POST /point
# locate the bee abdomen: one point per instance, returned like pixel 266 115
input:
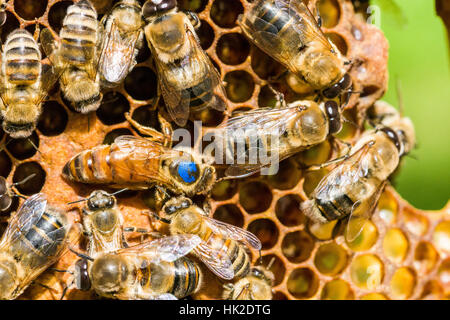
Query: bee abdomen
pixel 186 278
pixel 239 259
pixel 22 58
pixel 337 208
pixel 271 18
pixel 201 94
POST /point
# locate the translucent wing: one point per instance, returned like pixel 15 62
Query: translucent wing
pixel 165 296
pixel 49 44
pixel 219 263
pixel 232 232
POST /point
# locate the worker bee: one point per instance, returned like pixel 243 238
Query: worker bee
pixel 24 84
pixel 35 238
pixel 353 187
pixel 187 78
pixel 220 249
pixel 139 163
pixel 76 55
pixel 123 37
pixel 288 32
pixel 257 285
pixel 278 132
pixel 156 269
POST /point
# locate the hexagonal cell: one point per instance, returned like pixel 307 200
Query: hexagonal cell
pixel 30 9
pixel 322 231
pixel 57 13
pixel 367 271
pixel 330 259
pixel 374 296
pixel 337 290
pixel 266 231
pixel 432 290
pixel 224 13
pixel 205 34
pixel 53 120
pixel 312 179
pixel 366 239
pixel 210 117
pixel 425 257
pixel 232 48
pixel 224 190
pixel 34 184
pixel 229 213
pixel 144 53
pixel 402 283
pixel 369 90
pixel 339 42
pixel 192 5
pixel 395 245
pixel 10 24
pixel 23 148
pixel 441 236
pixel 5 164
pixel 141 83
pixel 278 295
pixel 444 274
pixel 288 210
pixel 147 116
pixel 297 246
pixel 240 85
pixel 263 65
pixel 112 135
pixel 112 109
pixel 387 208
pixel 255 197
pixel 330 12
pixel 287 176
pixel 302 283
pixel 349 126
pixel 315 155
pixel 415 222
pixel 277 267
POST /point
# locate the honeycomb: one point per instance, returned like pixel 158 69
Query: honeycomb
pixel 403 253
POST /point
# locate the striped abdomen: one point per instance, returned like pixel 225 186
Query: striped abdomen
pixel 200 95
pixel 339 207
pixel 22 58
pixel 271 18
pixel 180 278
pixel 79 33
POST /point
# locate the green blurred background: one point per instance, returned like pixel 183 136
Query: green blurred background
pixel 419 58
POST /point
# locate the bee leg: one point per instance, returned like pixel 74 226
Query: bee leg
pixel 143 232
pixel 154 134
pixel 330 162
pixel 37 31
pixel 193 17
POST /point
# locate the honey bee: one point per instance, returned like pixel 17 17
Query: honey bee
pixel 24 84
pixel 187 78
pixel 156 269
pixel 279 131
pixel 353 187
pixel 139 163
pixel 35 238
pixel 257 285
pixel 76 55
pixel 220 248
pixel 288 32
pixel 123 37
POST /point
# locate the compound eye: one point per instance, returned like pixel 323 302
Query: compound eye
pixel 332 92
pixel 185 204
pixel 170 210
pixel 334 117
pixel 152 7
pixel 83 282
pixel 93 205
pixel 186 171
pixel 345 82
pixel 393 137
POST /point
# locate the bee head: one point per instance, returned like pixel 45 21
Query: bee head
pixel 174 206
pixel 8 275
pixel 155 7
pixel 263 274
pixel 109 274
pixel 100 199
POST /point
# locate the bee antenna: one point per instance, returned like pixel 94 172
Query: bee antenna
pixel 81 255
pixel 270 264
pixel 76 201
pixel 399 95
pixel 34 146
pixel 163 190
pixel 31 176
pixel 119 191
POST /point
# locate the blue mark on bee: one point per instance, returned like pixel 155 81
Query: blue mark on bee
pixel 188 171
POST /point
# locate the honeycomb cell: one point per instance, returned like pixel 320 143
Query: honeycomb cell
pixel 229 213
pixel 266 231
pixel 11 23
pixel 34 184
pixel 339 42
pixel 315 155
pixel 240 85
pixel 441 236
pixel 330 12
pixel 53 120
pixel 113 107
pixel 112 135
pixel 263 65
pixel 288 210
pixel 374 296
pixel 414 222
pixel 232 48
pixel 367 271
pixel 368 91
pixel 349 126
pixel 366 239
pixel 432 290
pixel 322 231
pixel 210 117
pixel 330 259
pixel 395 245
pixel 141 83
pixel 425 257
pixel 444 275
pixel 224 190
pixel 23 148
pixel 312 179
pixel 255 197
pixel 337 290
pixel 267 98
pixel 239 110
pixel 297 246
pixel 192 5
pixel 206 34
pixel 278 295
pixel 402 283
pixel 302 283
pixel 287 176
pixel 224 13
pixel 5 164
pixel 147 116
pixel 30 9
pixel 278 269
pixel 388 208
pixel 144 53
pixel 57 13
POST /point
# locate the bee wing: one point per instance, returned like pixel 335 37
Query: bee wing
pixel 49 44
pixel 165 296
pixel 219 263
